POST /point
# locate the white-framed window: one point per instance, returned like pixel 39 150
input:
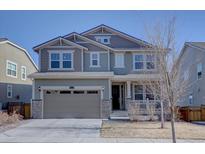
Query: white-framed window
pixel 103 39
pixel 199 70
pixel 144 62
pixel 138 61
pixel 9 91
pixel 150 61
pixel 191 99
pixel 61 59
pixel 94 59
pixel 54 60
pixel 119 60
pixel 11 69
pixel 67 60
pixel 143 92
pixel 23 72
pixel 138 92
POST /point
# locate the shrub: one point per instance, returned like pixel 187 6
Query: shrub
pixel 9 119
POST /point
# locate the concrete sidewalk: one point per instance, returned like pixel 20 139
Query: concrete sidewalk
pixel 68 131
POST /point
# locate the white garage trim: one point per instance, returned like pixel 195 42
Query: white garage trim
pixel 74 88
pixel 43 88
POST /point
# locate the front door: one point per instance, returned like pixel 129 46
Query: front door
pixel 115 97
pixel 118 97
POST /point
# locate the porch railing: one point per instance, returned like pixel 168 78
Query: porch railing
pixel 146 106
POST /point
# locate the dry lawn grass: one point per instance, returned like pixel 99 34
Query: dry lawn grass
pixel 128 129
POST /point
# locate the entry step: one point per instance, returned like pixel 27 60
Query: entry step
pixel 119 115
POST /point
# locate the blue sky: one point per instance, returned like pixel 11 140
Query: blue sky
pixel 30 28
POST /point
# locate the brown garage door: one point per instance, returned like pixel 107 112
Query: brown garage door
pixel 71 104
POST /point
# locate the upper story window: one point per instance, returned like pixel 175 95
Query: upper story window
pixel 67 60
pixel 103 39
pixel 55 60
pixel 61 60
pixel 11 69
pixel 138 62
pixel 119 60
pixel 94 59
pixel 150 61
pixel 23 73
pixel 199 70
pixel 144 61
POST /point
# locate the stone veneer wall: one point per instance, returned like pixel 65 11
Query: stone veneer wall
pixel 106 109
pixel 37 109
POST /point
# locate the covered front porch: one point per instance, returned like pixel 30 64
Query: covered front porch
pixel 139 97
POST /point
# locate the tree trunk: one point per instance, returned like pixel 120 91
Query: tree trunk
pixel 162 114
pixel 171 104
pixel 162 107
pixel 172 124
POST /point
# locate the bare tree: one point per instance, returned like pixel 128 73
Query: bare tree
pixel 162 37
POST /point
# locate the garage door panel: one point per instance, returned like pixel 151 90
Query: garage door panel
pixel 71 105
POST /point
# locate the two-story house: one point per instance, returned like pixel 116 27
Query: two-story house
pixel 191 64
pixel 15 65
pixel 91 74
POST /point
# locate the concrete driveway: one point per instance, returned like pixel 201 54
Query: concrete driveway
pixel 68 130
pixel 54 130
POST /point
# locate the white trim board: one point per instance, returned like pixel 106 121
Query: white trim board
pixel 75 88
pixel 88 40
pixel 112 30
pixel 98 59
pixel 72 75
pixel 36 48
pixel 8 61
pixel 24 50
pixel 61 59
pixel 122 63
pixel 25 72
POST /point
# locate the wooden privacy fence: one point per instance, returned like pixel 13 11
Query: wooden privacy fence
pixel 192 113
pixel 23 109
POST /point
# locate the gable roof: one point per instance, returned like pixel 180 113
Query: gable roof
pixel 200 45
pixel 197 45
pixel 112 30
pixel 36 48
pixel 87 39
pixel 5 40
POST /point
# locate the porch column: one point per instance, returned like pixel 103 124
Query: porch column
pixel 128 95
pixel 129 89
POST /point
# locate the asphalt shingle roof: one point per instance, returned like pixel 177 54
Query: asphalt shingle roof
pixel 198 44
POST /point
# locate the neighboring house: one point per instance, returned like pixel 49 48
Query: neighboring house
pixel 89 75
pixel 191 65
pixel 15 65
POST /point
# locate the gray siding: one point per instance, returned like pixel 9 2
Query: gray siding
pixel 24 92
pixel 117 41
pixel 188 62
pixel 103 63
pixel 20 87
pixel 72 82
pixel 92 47
pixel 128 69
pixel 11 53
pixel 44 60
